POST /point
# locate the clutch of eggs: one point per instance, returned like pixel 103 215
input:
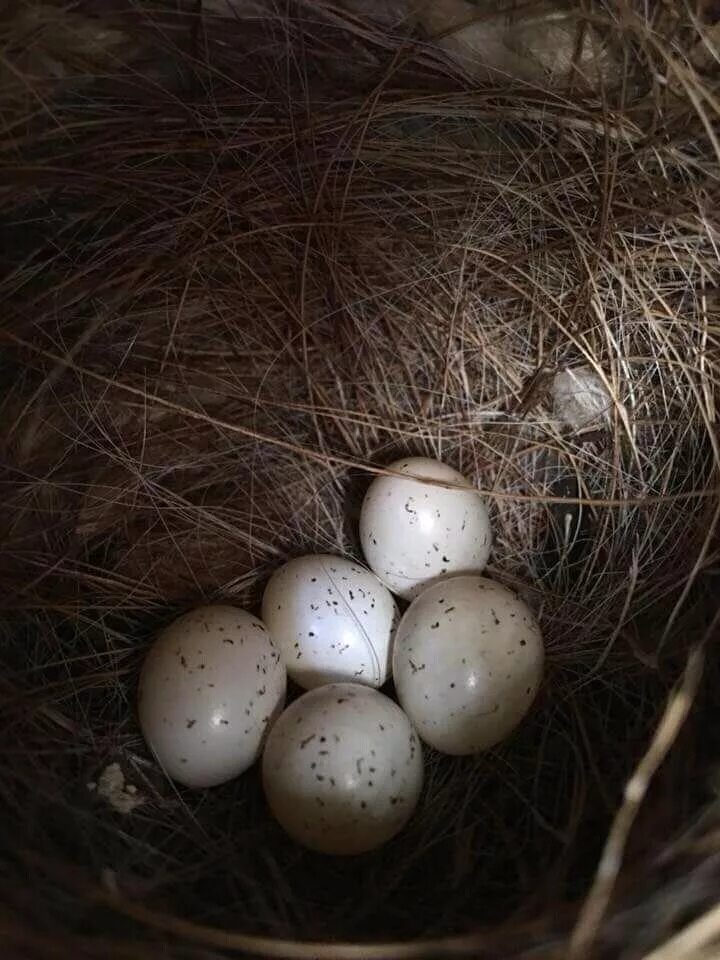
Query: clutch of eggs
pixel 332 620
pixel 414 533
pixel 467 663
pixel 210 687
pixel 342 769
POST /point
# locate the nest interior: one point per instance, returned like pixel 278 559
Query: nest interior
pixel 254 253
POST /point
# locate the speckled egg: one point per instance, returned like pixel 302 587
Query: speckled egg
pixel 332 619
pixel 468 662
pixel 415 533
pixel 342 769
pixel 210 687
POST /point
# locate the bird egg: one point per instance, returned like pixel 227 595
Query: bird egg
pixel 211 686
pixel 342 769
pixel 332 619
pixel 468 662
pixel 414 533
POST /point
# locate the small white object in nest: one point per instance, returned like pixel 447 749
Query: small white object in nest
pixel 332 620
pixel 468 662
pixel 343 769
pixel 111 786
pixel 580 398
pixel 541 43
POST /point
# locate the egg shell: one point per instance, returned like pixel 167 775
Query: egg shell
pixel 332 620
pixel 414 533
pixel 210 687
pixel 343 769
pixel 468 662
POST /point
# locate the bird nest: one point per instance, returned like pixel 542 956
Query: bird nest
pixel 255 252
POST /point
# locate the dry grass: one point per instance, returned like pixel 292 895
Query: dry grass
pixel 249 263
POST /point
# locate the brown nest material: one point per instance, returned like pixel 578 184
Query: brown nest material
pixel 251 254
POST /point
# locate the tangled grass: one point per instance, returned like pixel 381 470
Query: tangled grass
pixel 251 258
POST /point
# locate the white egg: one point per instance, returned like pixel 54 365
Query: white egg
pixel 414 533
pixel 210 687
pixel 332 619
pixel 342 769
pixel 468 661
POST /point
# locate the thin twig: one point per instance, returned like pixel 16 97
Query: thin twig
pixel 611 862
pixel 692 940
